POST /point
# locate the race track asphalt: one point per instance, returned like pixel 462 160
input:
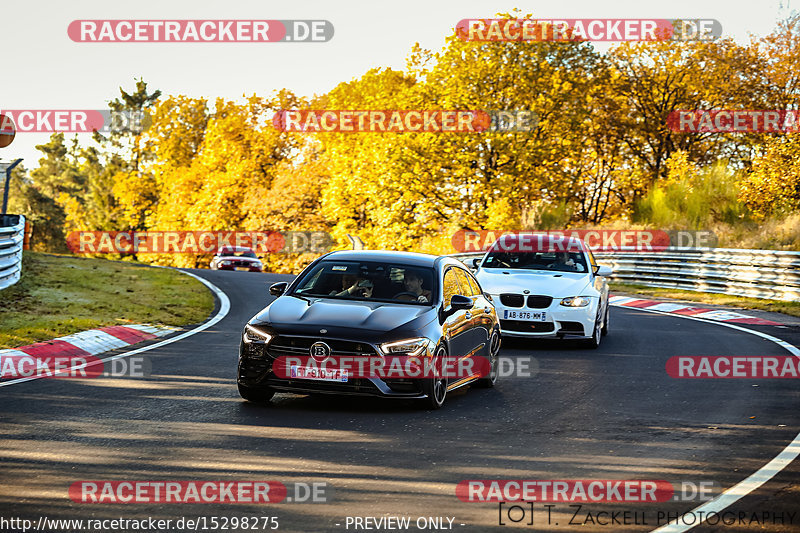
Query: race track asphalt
pixel 611 413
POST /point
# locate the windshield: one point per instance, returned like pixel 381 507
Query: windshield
pixel 371 281
pixel 231 252
pixel 559 261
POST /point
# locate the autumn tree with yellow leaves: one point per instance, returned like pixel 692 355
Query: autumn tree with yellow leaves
pixel 600 147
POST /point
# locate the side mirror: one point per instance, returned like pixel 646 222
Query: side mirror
pixel 603 270
pixel 276 289
pixel 476 262
pixel 457 303
pixel 460 303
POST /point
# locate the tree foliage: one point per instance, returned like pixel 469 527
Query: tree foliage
pixel 601 149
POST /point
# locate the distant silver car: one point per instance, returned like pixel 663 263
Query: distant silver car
pixel 236 258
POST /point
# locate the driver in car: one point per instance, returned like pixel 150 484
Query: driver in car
pixel 412 281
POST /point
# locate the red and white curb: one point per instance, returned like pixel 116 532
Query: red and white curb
pixel 717 315
pixel 222 311
pixel 93 341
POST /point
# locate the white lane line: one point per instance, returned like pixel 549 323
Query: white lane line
pixel 224 309
pixel 763 474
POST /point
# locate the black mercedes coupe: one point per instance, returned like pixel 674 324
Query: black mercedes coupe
pixel 374 323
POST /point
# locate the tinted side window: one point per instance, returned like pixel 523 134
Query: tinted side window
pixel 463 279
pixel 476 288
pixel 451 285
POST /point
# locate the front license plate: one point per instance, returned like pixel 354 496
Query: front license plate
pixel 243 268
pixel 319 374
pixel 532 316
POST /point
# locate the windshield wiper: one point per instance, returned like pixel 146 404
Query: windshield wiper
pixel 300 297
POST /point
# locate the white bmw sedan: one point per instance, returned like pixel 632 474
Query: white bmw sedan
pixel 546 286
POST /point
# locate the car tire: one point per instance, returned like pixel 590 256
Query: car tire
pixel 604 331
pixel 259 395
pixel 593 342
pixel 494 355
pixel 435 389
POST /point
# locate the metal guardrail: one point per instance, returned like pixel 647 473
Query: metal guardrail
pixel 12 235
pixel 766 274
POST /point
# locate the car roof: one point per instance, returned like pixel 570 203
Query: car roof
pixel 234 249
pixel 408 258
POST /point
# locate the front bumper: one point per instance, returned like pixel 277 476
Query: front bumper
pixel 252 265
pixel 250 268
pixel 560 321
pixel 256 361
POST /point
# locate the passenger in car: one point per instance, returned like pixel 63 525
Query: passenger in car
pixel 354 285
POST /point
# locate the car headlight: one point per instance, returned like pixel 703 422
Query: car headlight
pixel 405 347
pixel 575 301
pixel 252 335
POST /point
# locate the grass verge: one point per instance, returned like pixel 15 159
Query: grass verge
pixel 776 306
pixel 59 295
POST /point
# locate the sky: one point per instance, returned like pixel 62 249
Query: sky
pixel 44 69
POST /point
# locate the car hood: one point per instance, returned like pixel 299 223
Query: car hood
pixel 349 319
pixel 555 284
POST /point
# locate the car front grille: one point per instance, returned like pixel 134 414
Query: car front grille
pixel 291 345
pixel 526 327
pixel 512 300
pixel 539 301
pixel 256 370
pixel 533 301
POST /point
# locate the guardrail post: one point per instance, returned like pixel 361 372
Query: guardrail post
pixel 8 180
